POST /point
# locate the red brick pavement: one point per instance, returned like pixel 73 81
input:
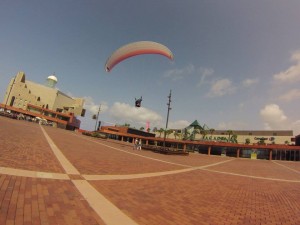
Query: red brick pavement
pixel 92 158
pixel 195 197
pixel 262 168
pixel 202 197
pixel 43 201
pixel 23 146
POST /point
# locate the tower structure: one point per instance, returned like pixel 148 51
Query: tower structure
pixel 51 81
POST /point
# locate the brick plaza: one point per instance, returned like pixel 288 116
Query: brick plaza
pixel 55 176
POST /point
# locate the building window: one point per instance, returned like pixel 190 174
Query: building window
pixel 12 101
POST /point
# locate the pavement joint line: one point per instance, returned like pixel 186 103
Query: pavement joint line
pixel 296 171
pixel 27 173
pixel 147 157
pixel 61 176
pixel 33 174
pixel 136 176
pixel 108 212
pixel 147 175
pixel 103 207
pixel 250 176
pixel 66 164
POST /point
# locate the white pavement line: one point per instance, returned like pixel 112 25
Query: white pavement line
pixel 109 213
pixel 146 175
pixel 147 157
pixel 68 167
pixel 135 176
pixel 296 171
pixel 254 177
pixel 33 174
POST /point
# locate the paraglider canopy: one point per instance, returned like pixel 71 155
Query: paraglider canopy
pixel 137 48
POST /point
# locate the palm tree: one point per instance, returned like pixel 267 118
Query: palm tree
pixel 195 131
pixel 176 134
pixel 160 131
pixel 247 141
pixel 142 128
pixel 185 134
pixel 211 131
pixel 233 138
pixel 229 132
pixel 168 132
pixel 204 133
pixel 148 130
pixel 154 129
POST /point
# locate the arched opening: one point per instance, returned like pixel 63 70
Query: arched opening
pixel 12 100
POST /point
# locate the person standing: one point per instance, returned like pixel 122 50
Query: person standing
pixel 140 144
pixel 135 143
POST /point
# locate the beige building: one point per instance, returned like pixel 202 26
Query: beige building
pixel 193 132
pixel 23 96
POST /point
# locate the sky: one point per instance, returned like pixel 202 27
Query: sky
pixel 236 62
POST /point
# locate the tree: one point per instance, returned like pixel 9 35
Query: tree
pixel 203 133
pixel 148 130
pixel 160 131
pixel 185 134
pixel 247 141
pixel 168 132
pixel 176 134
pixel 229 132
pixel 142 128
pixel 211 131
pixel 195 131
pixel 233 138
pixel 154 129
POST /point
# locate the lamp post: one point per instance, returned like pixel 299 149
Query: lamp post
pixel 169 108
pixel 97 117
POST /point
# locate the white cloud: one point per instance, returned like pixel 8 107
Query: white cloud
pixel 291 95
pixel 204 72
pixel 273 117
pixel 296 127
pixel 180 124
pixel 178 74
pixel 234 125
pixel 220 88
pixel 90 106
pixel 249 82
pixel 292 74
pixel 134 116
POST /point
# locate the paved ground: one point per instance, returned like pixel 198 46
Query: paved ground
pixel 54 176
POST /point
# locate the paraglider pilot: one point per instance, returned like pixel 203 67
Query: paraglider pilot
pixel 138 102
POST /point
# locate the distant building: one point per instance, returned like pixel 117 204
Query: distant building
pixel 44 101
pixel 126 130
pixel 235 136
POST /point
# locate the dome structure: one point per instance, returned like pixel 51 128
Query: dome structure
pixel 51 81
pixel 52 77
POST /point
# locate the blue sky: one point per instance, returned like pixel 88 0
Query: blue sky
pixel 236 63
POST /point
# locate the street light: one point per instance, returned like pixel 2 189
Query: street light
pixel 169 108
